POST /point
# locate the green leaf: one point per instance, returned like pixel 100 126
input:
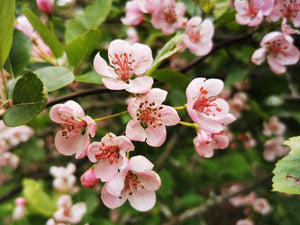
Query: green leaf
pixel 171 77
pixel 55 77
pixel 168 50
pixel 220 8
pixel 48 37
pixel 93 16
pixel 238 74
pixel 29 99
pixel 287 171
pixel 7 17
pixel 37 198
pixel 82 46
pixel 20 54
pixel 206 5
pixel 91 77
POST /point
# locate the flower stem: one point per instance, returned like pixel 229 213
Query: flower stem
pixel 111 116
pixel 180 107
pixel 194 125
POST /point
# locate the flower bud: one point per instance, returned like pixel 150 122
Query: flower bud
pixel 45 6
pixel 88 179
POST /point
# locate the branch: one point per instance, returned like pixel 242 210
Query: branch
pixel 215 200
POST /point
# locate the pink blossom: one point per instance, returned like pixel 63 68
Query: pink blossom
pixel 20 209
pixel 132 35
pixel 88 178
pixel 274 149
pixel 274 126
pixel 247 140
pixel 9 159
pixel 198 36
pixel 280 52
pixel 45 6
pixel 287 9
pixel 150 118
pixel 206 142
pixel 136 182
pixel 204 107
pixel 150 6
pixel 69 212
pixel 110 155
pixel 261 206
pixel 134 15
pixel 244 222
pixel 252 12
pixel 170 17
pixel 126 60
pixel 238 103
pixel 286 28
pixel 74 137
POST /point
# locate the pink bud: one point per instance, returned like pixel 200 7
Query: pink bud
pixel 45 6
pixel 88 179
pixel 20 201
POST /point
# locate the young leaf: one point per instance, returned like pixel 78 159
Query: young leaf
pixel 20 54
pixel 287 171
pixel 37 198
pixel 91 77
pixel 7 17
pixel 48 37
pixel 29 99
pixel 220 7
pixel 168 50
pixel 93 16
pixel 82 46
pixel 55 77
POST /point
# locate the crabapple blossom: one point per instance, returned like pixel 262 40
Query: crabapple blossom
pixel 274 126
pixel 74 137
pixel 20 209
pixel 110 155
pixel 204 108
pixel 69 212
pixel 64 179
pixel 238 103
pixel 132 35
pixel 88 178
pixel 170 17
pixel 126 60
pixel 280 52
pixel 247 140
pixel 252 12
pixel 261 206
pixel 150 118
pixel 198 36
pixel 274 148
pixel 244 222
pixel 45 6
pixel 9 159
pixel 134 15
pixel 136 182
pixel 150 6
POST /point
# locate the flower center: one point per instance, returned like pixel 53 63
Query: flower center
pixel 291 9
pixel 123 65
pixel 205 105
pixel 169 14
pixel 110 153
pixel 71 124
pixel 132 182
pixel 194 34
pixel 149 115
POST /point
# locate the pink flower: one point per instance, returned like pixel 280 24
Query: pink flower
pixel 252 12
pixel 69 212
pixel 287 9
pixel 77 129
pixel 110 155
pixel 198 36
pixel 238 103
pixel 149 118
pixel 132 35
pixel 150 6
pixel 247 140
pixel 274 126
pixel 204 107
pixel 134 15
pixel 244 222
pixel 45 6
pixel 126 60
pixel 88 178
pixel 206 142
pixel 274 149
pixel 136 182
pixel 170 17
pixel 280 50
pixel 261 206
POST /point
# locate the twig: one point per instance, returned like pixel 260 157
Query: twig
pixel 215 200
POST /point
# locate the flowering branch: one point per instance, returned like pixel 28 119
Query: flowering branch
pixel 110 116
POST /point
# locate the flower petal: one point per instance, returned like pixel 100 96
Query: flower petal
pixel 142 200
pixel 140 163
pixel 156 136
pixel 110 200
pixel 102 68
pixel 134 131
pixel 139 85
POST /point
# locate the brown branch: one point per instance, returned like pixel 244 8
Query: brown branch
pixel 215 200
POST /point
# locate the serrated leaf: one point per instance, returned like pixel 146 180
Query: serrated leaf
pixel 171 77
pixel 220 7
pixel 82 46
pixel 20 54
pixel 94 15
pixel 29 99
pixel 168 50
pixel 37 198
pixel 91 77
pixel 55 77
pixel 48 37
pixel 287 171
pixel 7 17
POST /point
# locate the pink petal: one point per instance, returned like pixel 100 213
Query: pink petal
pixel 119 47
pixel 140 163
pixel 92 150
pixel 169 116
pixel 139 85
pixel 143 58
pixel 102 68
pixel 213 87
pixel 116 185
pixel 91 126
pixel 259 56
pixel 133 106
pixel 124 143
pixel 206 30
pixel 193 89
pixel 209 125
pixel 110 200
pixel 156 95
pixel 257 20
pixel 275 66
pixel 114 84
pixel 156 136
pixel 134 131
pixel 142 200
pixel 150 180
pixel 77 211
pixel 106 171
pixel 203 149
pixel 54 113
pixel 290 56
